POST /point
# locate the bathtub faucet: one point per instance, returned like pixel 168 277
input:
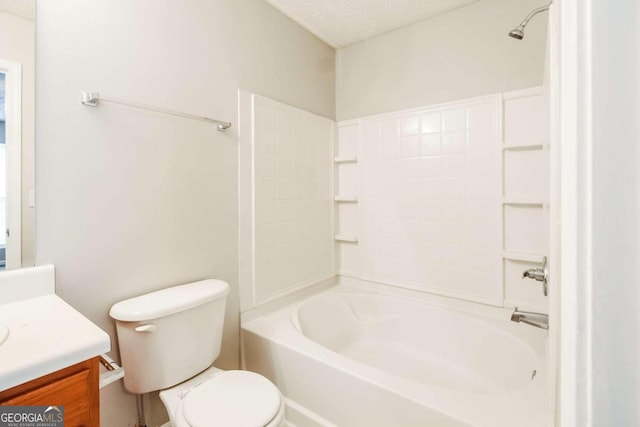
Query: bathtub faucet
pixel 539 320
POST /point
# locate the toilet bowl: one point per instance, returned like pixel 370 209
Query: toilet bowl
pixel 156 331
pixel 225 398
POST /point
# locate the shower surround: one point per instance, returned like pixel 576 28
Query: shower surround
pixel 405 237
pixel 451 199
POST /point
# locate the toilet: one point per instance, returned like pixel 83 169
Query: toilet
pixel 168 341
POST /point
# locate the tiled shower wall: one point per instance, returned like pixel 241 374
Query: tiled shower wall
pixel 450 199
pixel 441 202
pixel 286 199
pixel 430 200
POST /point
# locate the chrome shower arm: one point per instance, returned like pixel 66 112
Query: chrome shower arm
pixel 533 13
pixel 518 32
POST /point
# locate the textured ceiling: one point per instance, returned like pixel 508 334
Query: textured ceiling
pixel 342 22
pixel 22 8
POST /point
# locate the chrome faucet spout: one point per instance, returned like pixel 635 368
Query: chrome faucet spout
pixel 539 320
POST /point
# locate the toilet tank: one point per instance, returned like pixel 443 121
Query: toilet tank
pixel 168 336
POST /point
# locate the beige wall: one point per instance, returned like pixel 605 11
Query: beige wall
pixel 129 201
pixel 457 55
pixel 17 45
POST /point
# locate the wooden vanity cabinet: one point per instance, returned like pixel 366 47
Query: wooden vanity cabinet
pixel 76 388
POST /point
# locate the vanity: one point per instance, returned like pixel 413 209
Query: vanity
pixel 49 352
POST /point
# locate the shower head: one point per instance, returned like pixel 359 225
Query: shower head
pixel 518 32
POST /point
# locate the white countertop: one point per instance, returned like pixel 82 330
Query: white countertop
pixel 45 335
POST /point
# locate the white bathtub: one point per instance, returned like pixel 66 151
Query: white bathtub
pixel 350 357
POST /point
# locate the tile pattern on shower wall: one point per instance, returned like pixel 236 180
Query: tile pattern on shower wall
pixel 432 199
pixel 293 198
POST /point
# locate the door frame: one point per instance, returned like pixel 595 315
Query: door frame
pixel 572 106
pixel 13 92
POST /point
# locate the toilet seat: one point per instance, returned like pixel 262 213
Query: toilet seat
pixel 232 398
pixel 225 398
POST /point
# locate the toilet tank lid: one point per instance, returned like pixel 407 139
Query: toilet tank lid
pixel 169 301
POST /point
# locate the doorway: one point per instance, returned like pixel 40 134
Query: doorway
pixel 10 164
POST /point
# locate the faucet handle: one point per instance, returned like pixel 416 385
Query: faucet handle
pixel 541 274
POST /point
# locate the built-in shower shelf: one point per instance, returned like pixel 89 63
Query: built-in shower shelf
pixel 349 238
pixel 531 201
pixel 345 159
pixel 346 199
pixel 522 256
pixel 523 147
